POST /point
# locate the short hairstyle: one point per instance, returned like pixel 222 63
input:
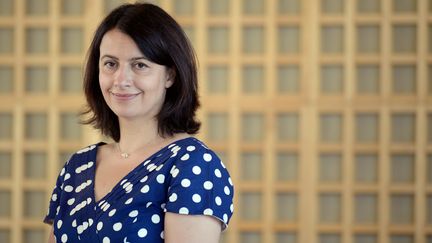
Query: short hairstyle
pixel 161 39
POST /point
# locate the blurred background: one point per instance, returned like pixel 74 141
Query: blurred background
pixel 321 110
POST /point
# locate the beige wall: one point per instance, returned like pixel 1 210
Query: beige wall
pixel 320 108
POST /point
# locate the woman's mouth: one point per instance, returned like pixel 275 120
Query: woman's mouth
pixel 124 96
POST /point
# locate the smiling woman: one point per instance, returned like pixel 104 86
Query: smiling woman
pixel 132 86
pixel 160 40
pixel 155 182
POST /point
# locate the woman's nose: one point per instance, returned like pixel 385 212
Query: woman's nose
pixel 123 77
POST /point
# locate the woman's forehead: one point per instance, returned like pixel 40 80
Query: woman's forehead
pixel 118 44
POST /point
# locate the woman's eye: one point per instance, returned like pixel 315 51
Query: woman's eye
pixel 110 64
pixel 140 65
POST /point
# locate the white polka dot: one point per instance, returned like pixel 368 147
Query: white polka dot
pixel 151 167
pixel 172 169
pixel 112 212
pixel 162 235
pixel 126 185
pixel 146 162
pixel 225 218
pixel 68 188
pixel 184 210
pixel 106 240
pixel 117 226
pixel 223 165
pixel 218 201
pixel 173 197
pixel 185 182
pixel 64 238
pixel 67 176
pixel 90 222
pixel 59 224
pixel 144 179
pixel 230 181
pixel 232 207
pixel 129 201
pixel 196 198
pixel 74 223
pixel 54 197
pixel 145 189
pixel 185 157
pixel 218 173
pixel 133 213
pixel 80 229
pixel 142 233
pixel 148 204
pixel 207 157
pixel 190 148
pixel 175 149
pixel 123 181
pixel 175 172
pixel 129 188
pixel 196 170
pixel 227 190
pixel 155 218
pixel 160 179
pixel 159 167
pixel 208 211
pixel 208 185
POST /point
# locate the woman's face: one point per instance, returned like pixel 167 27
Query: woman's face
pixel 132 86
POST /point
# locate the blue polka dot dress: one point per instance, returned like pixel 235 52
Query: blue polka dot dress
pixel 184 177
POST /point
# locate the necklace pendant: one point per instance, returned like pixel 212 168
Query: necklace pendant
pixel 124 155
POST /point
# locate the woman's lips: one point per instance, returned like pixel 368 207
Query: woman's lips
pixel 124 96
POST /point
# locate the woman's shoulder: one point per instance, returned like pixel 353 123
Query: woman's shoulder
pixel 191 145
pixel 89 149
pixel 189 141
pixel 192 151
pixel 85 155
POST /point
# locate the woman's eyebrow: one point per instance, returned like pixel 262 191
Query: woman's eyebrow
pixel 131 59
pixel 138 58
pixel 108 56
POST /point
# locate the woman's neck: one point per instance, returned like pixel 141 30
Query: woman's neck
pixel 136 134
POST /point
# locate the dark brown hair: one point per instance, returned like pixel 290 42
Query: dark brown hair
pixel 161 39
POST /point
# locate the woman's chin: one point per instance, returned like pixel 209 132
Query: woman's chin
pixel 126 115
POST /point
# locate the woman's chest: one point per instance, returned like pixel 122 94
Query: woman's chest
pixel 133 210
pixel 110 170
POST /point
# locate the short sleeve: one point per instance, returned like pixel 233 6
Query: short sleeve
pixel 55 197
pixel 200 185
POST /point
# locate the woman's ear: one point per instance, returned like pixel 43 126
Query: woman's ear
pixel 170 77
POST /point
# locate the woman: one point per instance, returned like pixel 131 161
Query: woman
pixel 155 182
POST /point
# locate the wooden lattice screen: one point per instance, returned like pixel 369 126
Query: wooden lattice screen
pixel 321 109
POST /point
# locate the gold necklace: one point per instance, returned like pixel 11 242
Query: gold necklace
pixel 124 155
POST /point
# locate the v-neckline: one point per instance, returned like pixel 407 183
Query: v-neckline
pixel 117 184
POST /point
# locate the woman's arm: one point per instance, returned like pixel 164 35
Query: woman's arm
pixel 191 228
pixel 51 238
